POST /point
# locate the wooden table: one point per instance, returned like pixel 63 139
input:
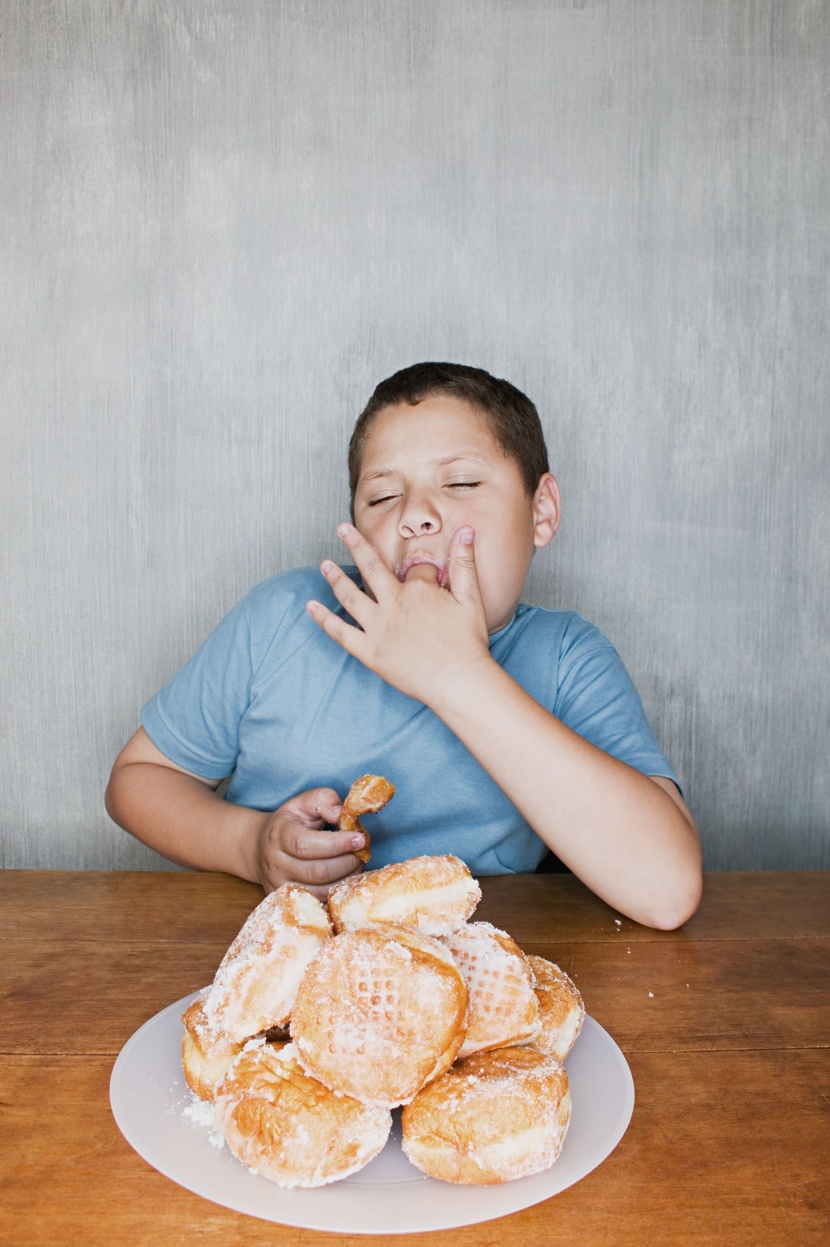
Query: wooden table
pixel 725 1026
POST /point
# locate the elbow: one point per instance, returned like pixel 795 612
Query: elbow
pixel 676 907
pixel 111 796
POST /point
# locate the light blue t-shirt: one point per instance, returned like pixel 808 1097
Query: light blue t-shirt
pixel 273 702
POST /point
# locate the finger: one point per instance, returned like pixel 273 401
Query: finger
pixel 356 602
pixel 312 877
pixel 323 873
pixel 315 807
pixel 376 575
pixel 461 564
pixel 347 637
pixel 306 845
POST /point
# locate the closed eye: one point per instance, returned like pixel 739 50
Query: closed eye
pixel 376 502
pixel 463 484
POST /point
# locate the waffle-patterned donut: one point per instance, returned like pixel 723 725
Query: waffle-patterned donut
pixel 379 1012
pixel 287 1126
pixel 432 895
pixel 561 1008
pixel 493 1117
pixel 503 1008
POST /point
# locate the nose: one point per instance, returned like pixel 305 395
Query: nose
pixel 418 517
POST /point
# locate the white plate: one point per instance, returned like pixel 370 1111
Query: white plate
pixel 149 1099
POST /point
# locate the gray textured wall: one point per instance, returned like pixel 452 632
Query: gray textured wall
pixel 224 220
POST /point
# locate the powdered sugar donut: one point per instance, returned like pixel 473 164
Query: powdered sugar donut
pixel 432 895
pixel 288 1127
pixel 379 1012
pixel 493 1117
pixel 254 988
pixel 257 980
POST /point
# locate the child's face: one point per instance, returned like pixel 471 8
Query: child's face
pixel 429 470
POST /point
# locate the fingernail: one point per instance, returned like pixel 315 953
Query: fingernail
pixel 343 530
pixel 326 566
pixel 466 536
pixel 358 842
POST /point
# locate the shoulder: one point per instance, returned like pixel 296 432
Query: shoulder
pixel 275 611
pixel 287 593
pixel 300 583
pixel 566 632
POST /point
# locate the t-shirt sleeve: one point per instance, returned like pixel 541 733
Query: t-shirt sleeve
pixel 597 699
pixel 194 720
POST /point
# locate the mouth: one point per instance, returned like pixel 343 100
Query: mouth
pixel 418 560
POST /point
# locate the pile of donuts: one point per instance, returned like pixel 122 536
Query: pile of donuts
pixel 322 1019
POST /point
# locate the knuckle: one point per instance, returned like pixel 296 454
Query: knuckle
pixel 319 873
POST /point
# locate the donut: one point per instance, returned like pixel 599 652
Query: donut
pixel 561 1008
pixel 288 1127
pixel 493 1117
pixel 378 1013
pixel 257 980
pixel 205 1056
pixel 254 988
pixel 367 795
pixel 432 895
pixel 503 1008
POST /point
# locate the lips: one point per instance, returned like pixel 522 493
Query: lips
pixel 416 560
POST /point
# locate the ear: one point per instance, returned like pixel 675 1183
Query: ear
pixel 546 510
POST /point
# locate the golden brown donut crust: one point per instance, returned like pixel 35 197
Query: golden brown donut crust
pixel 493 1117
pixel 367 795
pixel 561 1008
pixel 205 1057
pixel 378 1013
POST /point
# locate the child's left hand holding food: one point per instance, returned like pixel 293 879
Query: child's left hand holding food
pixel 416 634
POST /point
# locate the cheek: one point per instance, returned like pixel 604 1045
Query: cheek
pixel 377 530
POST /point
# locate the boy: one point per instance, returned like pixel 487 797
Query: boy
pixel 507 729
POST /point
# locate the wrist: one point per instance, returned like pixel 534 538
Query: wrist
pixel 249 844
pixel 462 685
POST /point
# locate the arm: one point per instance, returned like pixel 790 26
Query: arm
pixel 628 836
pixel 178 814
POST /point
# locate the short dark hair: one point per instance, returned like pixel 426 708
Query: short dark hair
pixel 511 416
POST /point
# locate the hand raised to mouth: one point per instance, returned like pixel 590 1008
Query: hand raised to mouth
pixel 418 632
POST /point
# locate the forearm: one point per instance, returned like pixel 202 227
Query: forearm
pixel 621 833
pixel 183 818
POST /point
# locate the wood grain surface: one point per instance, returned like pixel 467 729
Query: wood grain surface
pixel 724 1024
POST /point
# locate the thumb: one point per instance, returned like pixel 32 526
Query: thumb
pixel 461 560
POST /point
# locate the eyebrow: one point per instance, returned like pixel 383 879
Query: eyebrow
pixel 381 473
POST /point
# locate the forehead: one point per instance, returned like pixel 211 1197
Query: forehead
pixel 438 427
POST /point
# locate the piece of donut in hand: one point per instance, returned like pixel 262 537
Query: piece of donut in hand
pixel 493 1117
pixel 379 1013
pixel 288 1127
pixel 254 988
pixel 561 1008
pixel 431 895
pixel 503 1008
pixel 367 795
